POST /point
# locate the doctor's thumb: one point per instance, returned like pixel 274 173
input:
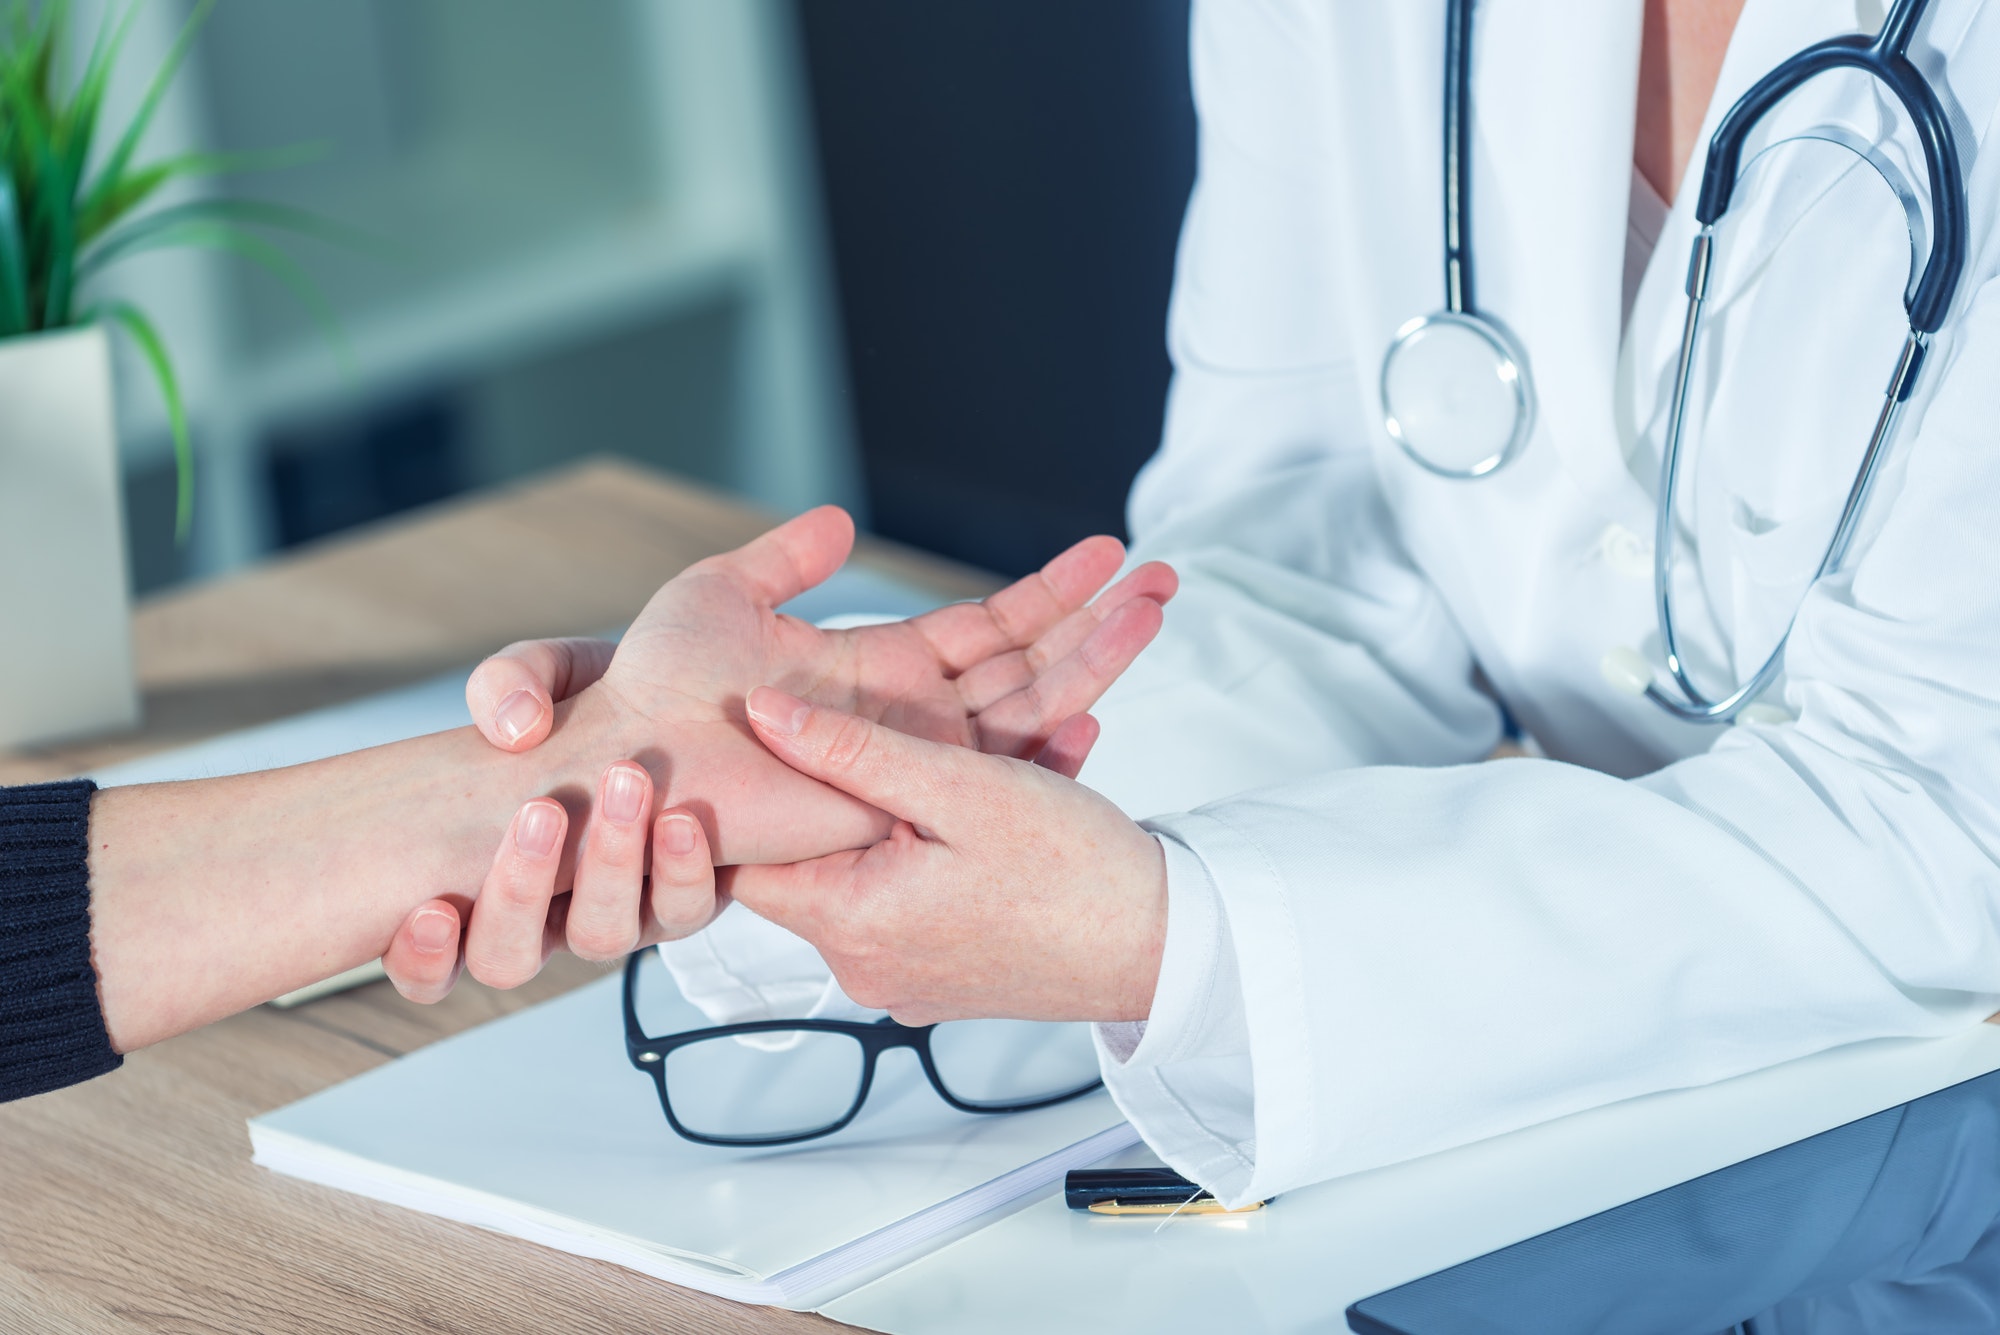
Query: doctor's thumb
pixel 894 771
pixel 791 896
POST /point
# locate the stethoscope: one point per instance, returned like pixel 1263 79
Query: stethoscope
pixel 1457 395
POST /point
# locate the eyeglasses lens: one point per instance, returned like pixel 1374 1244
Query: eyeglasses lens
pixel 764 1086
pixel 1003 1063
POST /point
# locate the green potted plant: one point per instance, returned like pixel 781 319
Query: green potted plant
pixel 75 198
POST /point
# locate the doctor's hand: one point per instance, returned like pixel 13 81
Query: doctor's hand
pixel 520 918
pixel 1004 889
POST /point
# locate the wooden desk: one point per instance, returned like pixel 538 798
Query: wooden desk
pixel 129 1204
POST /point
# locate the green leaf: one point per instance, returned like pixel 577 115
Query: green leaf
pixel 59 238
pixel 30 112
pixel 13 243
pixel 39 48
pixel 51 237
pixel 114 166
pixel 224 236
pixel 13 265
pixel 154 349
pixel 32 164
pixel 139 233
pixel 111 201
pixel 84 108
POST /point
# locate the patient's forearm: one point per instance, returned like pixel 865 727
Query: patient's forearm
pixel 209 897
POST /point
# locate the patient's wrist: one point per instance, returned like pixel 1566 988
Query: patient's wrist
pixel 211 896
pixel 593 730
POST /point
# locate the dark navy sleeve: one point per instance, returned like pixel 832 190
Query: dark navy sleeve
pixel 51 1026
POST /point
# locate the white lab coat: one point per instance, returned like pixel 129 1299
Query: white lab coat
pixel 1386 949
pixel 1377 946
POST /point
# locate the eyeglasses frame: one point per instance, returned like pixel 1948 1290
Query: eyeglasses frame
pixel 649 1054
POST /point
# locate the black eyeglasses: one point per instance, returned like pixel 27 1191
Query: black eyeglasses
pixel 772 1082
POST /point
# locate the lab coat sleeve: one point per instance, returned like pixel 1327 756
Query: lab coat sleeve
pixel 1258 326
pixel 1428 956
pixel 1183 1075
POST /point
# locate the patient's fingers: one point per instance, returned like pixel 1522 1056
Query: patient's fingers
pixel 1000 676
pixel 512 694
pixel 423 961
pixel 1024 722
pixel 967 633
pixel 506 943
pixel 795 556
pixel 681 897
pixel 611 867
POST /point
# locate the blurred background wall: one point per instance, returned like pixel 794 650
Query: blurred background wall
pixel 910 257
pixel 1003 184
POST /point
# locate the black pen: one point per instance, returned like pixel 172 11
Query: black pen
pixel 1141 1191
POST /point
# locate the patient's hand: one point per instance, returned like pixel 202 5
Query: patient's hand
pixel 1000 675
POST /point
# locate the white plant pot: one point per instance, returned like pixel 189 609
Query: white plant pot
pixel 65 601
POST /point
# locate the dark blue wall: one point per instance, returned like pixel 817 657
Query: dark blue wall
pixel 1004 184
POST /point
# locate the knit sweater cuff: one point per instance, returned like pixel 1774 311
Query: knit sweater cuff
pixel 51 1025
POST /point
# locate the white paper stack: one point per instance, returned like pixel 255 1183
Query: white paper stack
pixel 537 1125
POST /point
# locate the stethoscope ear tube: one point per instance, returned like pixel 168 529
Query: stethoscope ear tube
pixel 1883 57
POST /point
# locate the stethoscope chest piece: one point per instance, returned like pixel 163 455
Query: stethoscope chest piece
pixel 1456 395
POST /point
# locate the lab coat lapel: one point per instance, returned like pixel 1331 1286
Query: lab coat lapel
pixel 1549 201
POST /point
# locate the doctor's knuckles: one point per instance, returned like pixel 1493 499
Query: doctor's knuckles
pixel 1005 889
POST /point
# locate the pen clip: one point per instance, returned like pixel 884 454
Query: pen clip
pixel 1203 1204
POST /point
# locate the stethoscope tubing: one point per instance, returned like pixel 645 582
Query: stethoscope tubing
pixel 1928 301
pixel 1883 58
pixel 1458 288
pixel 1460 292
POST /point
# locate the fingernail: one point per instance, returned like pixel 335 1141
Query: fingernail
pixel 535 832
pixel 433 930
pixel 517 715
pixel 677 835
pixel 624 794
pixel 778 712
